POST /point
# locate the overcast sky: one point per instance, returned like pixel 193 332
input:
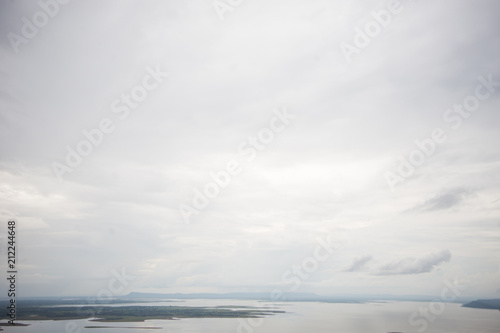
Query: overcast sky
pixel 351 107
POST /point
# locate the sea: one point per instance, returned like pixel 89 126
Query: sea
pixel 299 317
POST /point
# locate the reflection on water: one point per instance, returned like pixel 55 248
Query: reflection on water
pixel 300 317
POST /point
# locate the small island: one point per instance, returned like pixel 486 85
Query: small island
pixel 135 313
pixel 492 304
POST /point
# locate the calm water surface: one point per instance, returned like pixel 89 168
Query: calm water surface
pixel 300 317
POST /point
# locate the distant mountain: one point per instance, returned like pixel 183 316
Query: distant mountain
pixel 288 297
pixel 484 304
pixel 245 296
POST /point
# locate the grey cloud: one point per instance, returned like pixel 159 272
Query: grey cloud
pixel 416 265
pixel 444 201
pixel 359 263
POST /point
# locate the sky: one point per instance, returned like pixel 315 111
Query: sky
pixel 334 147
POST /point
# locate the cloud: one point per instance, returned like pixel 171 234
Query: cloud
pixel 444 201
pixel 359 263
pixel 415 265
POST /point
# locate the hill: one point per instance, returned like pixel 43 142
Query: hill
pixel 493 304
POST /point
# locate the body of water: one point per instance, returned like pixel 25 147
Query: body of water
pixel 303 317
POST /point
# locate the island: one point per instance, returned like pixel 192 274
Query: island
pixel 117 310
pixel 492 304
